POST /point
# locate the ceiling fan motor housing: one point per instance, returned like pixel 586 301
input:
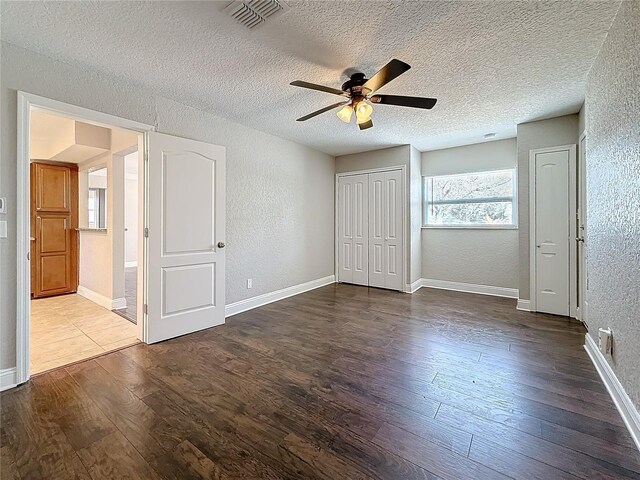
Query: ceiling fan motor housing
pixel 354 85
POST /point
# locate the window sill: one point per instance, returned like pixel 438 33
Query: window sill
pixel 471 227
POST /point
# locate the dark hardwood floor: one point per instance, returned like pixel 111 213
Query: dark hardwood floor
pixel 343 382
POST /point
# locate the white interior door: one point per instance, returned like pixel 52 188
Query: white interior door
pixel 385 230
pixel 353 229
pixel 552 231
pixel 186 221
pixel 581 233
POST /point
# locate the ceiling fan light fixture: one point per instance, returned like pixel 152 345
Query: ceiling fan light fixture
pixel 363 111
pixel 361 120
pixel 345 113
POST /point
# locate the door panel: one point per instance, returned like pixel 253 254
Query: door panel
pixel 386 237
pixel 353 229
pixel 54 237
pixel 186 222
pixel 55 272
pixel 552 232
pixel 53 234
pixel 53 186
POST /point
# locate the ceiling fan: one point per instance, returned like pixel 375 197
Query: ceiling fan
pixel 360 92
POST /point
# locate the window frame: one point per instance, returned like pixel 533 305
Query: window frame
pixel 473 226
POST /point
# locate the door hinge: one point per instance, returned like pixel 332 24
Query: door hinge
pixel 145 309
pixel 146 232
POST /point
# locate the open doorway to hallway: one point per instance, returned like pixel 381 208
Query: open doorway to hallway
pixel 84 220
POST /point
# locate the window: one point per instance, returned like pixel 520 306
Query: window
pixel 97 208
pixel 479 200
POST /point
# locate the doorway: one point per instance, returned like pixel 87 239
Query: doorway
pixel 181 228
pixel 552 197
pixel 370 228
pixel 78 190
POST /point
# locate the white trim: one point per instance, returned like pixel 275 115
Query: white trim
pixel 623 403
pixel 260 300
pixel 406 224
pixel 118 303
pixel 415 286
pixel 27 102
pixel 131 264
pixel 487 226
pixel 103 301
pixel 469 288
pixel 390 168
pixel 524 305
pixel 532 223
pixel 8 378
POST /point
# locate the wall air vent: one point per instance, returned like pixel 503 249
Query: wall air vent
pixel 253 13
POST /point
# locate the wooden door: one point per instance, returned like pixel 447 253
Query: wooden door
pixel 54 222
pixel 186 250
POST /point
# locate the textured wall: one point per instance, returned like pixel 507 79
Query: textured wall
pixel 613 186
pixel 280 197
pixel 541 134
pixel 415 202
pixel 391 157
pixel 477 256
pixel 481 257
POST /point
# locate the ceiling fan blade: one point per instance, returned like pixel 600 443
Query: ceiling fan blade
pixel 322 110
pixel 321 88
pixel 391 70
pixel 415 102
pixel 365 125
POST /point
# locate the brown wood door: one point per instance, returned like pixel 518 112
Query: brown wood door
pixel 54 236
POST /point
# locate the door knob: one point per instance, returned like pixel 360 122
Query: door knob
pixel 221 245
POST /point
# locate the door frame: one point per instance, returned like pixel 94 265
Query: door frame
pixel 571 148
pixel 27 101
pixel 406 285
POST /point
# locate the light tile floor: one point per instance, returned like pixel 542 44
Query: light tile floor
pixel 69 328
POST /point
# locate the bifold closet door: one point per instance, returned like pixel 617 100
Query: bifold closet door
pixel 353 229
pixel 385 230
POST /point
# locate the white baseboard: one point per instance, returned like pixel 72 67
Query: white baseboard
pixel 254 302
pixel 118 303
pixel 131 264
pixel 625 406
pixel 469 288
pixel 8 378
pixel 415 286
pixel 106 302
pixel 524 305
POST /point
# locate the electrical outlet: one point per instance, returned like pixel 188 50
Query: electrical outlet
pixel 604 340
pixel 249 283
pixel 3 205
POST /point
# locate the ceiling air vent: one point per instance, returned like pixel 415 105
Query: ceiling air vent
pixel 252 13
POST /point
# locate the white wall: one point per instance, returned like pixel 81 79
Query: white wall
pixel 541 134
pixel 95 246
pixel 613 195
pixel 415 209
pixel 389 157
pixel 280 195
pixel 476 256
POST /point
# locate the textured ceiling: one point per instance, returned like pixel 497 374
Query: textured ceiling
pixel 490 64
